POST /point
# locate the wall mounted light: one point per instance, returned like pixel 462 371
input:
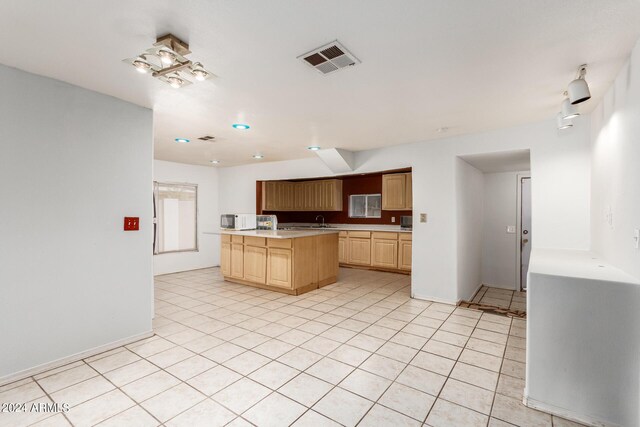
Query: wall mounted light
pixel 578 89
pixel 167 62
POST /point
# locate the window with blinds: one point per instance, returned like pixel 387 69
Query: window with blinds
pixel 175 217
pixel 365 206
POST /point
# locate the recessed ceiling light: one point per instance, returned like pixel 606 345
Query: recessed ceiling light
pixel 183 140
pixel 442 129
pixel 313 148
pixel 240 126
pixel 214 162
pixel 258 156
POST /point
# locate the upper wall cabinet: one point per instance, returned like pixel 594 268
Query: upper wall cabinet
pixel 397 192
pixel 321 195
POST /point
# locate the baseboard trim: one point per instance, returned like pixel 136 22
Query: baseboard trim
pixel 565 413
pixel 433 299
pixel 70 359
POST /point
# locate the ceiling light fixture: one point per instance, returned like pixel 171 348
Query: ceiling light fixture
pixel 199 72
pixel 569 110
pixel 258 156
pixel 167 57
pixel 578 89
pixel 183 140
pixel 175 82
pixel 167 62
pixel 562 122
pixel 214 162
pixel 141 65
pixel 313 148
pixel 240 126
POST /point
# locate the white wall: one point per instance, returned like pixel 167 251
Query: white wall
pixel 499 250
pixel 560 164
pixel 470 212
pixel 208 254
pixel 616 169
pixel 74 163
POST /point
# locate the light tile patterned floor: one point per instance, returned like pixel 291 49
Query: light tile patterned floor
pixel 503 298
pixel 359 352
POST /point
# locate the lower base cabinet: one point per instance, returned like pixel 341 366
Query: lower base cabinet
pixel 294 266
pixel 279 268
pixel 387 251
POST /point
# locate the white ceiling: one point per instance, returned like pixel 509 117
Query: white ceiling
pixel 501 161
pixel 462 64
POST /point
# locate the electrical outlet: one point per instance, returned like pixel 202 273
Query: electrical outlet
pixel 393 219
pixel 423 217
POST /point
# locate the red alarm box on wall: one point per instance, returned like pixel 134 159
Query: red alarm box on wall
pixel 131 223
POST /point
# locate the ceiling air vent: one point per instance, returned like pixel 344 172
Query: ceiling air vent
pixel 329 58
pixel 207 138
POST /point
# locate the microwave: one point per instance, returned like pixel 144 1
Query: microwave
pixel 238 221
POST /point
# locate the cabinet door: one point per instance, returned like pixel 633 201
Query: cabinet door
pixel 279 270
pixel 342 251
pixel 286 196
pixel 237 260
pixel 404 255
pixel 408 196
pixel 270 196
pixel 318 196
pixel 255 264
pixel 359 251
pixel 225 259
pixel 393 191
pixel 309 196
pixel 385 253
pixel 298 202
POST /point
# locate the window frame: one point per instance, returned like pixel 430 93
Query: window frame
pixel 156 220
pixel 366 205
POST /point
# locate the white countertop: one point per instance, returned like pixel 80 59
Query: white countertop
pixel 277 234
pixel 351 227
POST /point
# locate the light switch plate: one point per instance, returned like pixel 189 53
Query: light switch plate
pixel 511 229
pixel 393 219
pixel 423 217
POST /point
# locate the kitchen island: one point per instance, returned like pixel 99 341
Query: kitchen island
pixel 289 261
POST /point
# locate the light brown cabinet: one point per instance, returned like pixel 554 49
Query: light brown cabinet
pixel 255 264
pixel 279 268
pixel 321 195
pixel 397 192
pixel 293 266
pixel 404 255
pixel 382 250
pixel 342 250
pixel 359 251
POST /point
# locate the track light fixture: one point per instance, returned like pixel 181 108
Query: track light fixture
pixel 579 89
pixel 167 61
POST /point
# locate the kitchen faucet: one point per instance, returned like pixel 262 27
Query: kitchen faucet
pixel 323 225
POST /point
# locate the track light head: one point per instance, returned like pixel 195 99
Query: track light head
pixel 562 122
pixel 167 57
pixel 199 72
pixel 578 89
pixel 175 82
pixel 569 110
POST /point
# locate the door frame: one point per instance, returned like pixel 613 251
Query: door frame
pixel 519 178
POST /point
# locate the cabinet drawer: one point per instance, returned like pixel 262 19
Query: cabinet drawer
pixel 226 238
pixel 405 236
pixel 384 235
pixel 237 239
pixel 343 234
pixel 279 243
pixel 255 241
pixel 360 234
